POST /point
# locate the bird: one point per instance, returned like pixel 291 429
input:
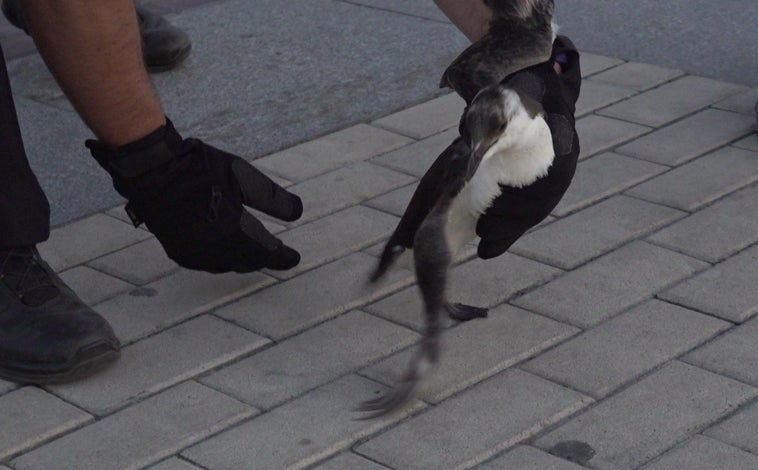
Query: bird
pixel 505 139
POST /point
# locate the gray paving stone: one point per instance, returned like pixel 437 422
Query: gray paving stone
pixel 740 430
pixel 599 133
pixel 349 460
pixel 161 361
pixel 528 458
pixel 703 453
pixel 657 412
pixel 594 63
pixel 86 239
pixel 734 354
pixel 593 231
pixel 726 290
pixel 722 229
pixel 334 236
pixel 637 76
pixel 297 434
pixel 743 103
pixel 174 464
pixel 597 95
pixel 689 138
pixel 625 347
pixel 602 176
pixel 142 434
pixel 672 101
pixel 93 286
pixel 118 212
pixel 478 349
pixel 425 119
pixel 332 151
pixel 477 282
pixel 421 9
pixel 703 180
pixel 173 299
pixel 315 357
pixel 610 284
pixel 415 159
pixel 31 416
pixel 473 427
pixel 748 143
pixel 346 187
pixel 139 264
pixel 394 202
pixel 292 306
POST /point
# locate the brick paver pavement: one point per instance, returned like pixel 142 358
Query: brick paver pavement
pixel 622 333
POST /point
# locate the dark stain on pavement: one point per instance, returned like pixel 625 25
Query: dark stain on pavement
pixel 575 451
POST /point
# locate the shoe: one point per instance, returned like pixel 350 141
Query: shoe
pixel 164 46
pixel 47 334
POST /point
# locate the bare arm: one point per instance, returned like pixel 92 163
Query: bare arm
pixel 472 17
pixel 93 49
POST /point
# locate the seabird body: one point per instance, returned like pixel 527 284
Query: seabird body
pixel 518 149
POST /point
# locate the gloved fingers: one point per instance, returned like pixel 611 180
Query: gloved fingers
pixel 261 193
pixel 261 249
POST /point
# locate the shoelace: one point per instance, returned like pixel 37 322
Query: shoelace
pixel 21 272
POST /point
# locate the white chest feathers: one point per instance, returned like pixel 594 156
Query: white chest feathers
pixel 517 159
pixel 523 155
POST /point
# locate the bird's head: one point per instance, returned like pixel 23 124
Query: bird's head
pixel 494 121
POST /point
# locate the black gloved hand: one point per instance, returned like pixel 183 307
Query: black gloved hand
pixel 191 196
pixel 517 210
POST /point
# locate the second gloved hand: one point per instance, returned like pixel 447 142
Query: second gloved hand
pixel 191 196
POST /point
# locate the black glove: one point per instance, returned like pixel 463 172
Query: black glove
pixel 517 210
pixel 191 196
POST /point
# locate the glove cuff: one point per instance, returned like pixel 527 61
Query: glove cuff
pixel 139 157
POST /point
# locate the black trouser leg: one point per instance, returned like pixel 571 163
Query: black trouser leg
pixel 24 210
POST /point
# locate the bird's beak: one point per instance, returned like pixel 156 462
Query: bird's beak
pixel 475 158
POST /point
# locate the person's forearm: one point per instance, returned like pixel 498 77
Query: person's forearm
pixel 93 49
pixel 472 17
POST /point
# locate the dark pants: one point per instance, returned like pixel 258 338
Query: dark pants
pixel 24 210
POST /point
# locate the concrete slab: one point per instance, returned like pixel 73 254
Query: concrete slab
pixel 594 231
pixel 415 159
pixel 601 176
pixel 637 76
pixel 625 347
pixel 654 414
pixel 599 133
pixel 93 286
pixel 167 423
pixel 484 423
pixel 349 460
pixel 609 285
pixel 505 277
pixel 691 137
pixel 734 354
pixel 672 101
pixel 32 416
pixel 173 299
pixel 140 264
pixel 528 458
pixel 161 361
pixel 723 228
pixel 304 362
pixel 701 181
pixel 703 453
pixel 475 350
pixel 332 237
pixel 597 95
pixel 297 434
pixel 425 119
pixel 726 290
pixel 313 297
pixel 740 430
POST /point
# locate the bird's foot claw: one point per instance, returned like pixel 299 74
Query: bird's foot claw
pixel 388 403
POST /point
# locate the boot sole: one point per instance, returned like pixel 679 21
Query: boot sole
pixel 100 356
